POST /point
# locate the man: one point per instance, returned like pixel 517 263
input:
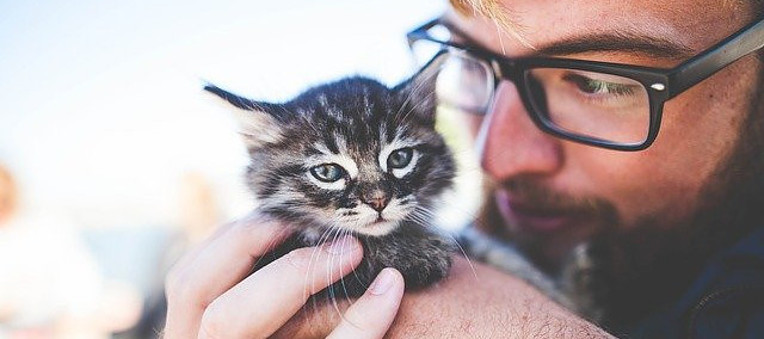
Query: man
pixel 648 226
pixel 661 232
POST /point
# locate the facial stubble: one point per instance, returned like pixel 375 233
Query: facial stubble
pixel 621 274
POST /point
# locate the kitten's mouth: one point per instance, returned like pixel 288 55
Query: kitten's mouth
pixel 379 227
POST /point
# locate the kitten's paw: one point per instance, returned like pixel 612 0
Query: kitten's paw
pixel 422 261
pixel 423 258
pixel 426 271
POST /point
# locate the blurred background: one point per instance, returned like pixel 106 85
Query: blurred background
pixel 113 160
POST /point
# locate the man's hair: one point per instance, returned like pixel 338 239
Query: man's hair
pixel 499 14
pixel 493 10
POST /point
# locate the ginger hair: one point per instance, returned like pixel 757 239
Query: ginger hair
pixel 494 11
pixel 501 15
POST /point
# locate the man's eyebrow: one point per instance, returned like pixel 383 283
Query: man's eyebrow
pixel 618 42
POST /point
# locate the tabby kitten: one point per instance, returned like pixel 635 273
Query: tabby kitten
pixel 353 157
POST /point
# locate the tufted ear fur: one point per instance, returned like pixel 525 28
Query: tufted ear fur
pixel 259 122
pixel 418 92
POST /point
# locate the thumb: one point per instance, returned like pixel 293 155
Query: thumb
pixel 372 314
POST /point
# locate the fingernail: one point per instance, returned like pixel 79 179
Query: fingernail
pixel 383 282
pixel 344 245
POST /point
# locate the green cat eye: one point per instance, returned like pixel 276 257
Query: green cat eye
pixel 328 172
pixel 400 158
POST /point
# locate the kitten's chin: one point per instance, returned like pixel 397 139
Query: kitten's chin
pixel 377 229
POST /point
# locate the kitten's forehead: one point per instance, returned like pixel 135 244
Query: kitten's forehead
pixel 355 123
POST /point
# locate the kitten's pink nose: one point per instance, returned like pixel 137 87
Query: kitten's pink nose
pixel 378 201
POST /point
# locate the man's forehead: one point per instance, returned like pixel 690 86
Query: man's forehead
pixel 676 28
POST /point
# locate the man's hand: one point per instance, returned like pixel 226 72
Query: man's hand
pixel 211 294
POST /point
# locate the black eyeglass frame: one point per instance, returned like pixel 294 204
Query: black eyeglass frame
pixel 661 84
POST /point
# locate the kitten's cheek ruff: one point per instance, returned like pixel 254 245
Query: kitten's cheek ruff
pixel 395 211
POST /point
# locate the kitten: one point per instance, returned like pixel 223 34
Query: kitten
pixel 353 157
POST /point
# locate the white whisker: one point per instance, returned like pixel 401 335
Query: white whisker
pixel 423 221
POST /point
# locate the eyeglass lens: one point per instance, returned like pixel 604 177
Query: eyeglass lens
pixel 596 105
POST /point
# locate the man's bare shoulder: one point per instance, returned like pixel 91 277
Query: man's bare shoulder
pixel 474 301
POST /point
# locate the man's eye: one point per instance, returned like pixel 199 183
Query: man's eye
pixel 400 158
pixel 328 172
pixel 599 87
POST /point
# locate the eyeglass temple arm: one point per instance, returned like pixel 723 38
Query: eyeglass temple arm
pixel 714 59
pixel 421 33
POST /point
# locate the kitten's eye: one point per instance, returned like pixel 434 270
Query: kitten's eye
pixel 328 172
pixel 400 158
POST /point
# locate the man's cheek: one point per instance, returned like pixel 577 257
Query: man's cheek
pixel 630 181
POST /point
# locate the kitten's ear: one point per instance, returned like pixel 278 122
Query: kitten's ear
pixel 259 122
pixel 418 92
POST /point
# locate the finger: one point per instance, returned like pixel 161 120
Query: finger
pixel 223 261
pixel 373 313
pixel 264 301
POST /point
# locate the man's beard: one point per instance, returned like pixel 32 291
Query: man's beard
pixel 619 275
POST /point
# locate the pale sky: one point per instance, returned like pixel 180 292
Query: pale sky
pixel 102 108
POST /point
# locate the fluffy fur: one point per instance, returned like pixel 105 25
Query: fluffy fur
pixel 353 157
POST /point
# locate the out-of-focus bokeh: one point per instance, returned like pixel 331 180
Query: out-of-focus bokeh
pixel 113 158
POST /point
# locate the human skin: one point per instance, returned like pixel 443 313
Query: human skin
pixel 211 293
pixel 474 301
pixel 664 182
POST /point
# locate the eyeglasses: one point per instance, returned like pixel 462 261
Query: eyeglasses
pixel 609 105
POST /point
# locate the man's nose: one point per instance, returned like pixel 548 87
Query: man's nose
pixel 513 145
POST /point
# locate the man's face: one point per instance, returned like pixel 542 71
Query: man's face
pixel 553 194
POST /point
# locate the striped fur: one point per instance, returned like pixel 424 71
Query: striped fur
pixel 357 124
